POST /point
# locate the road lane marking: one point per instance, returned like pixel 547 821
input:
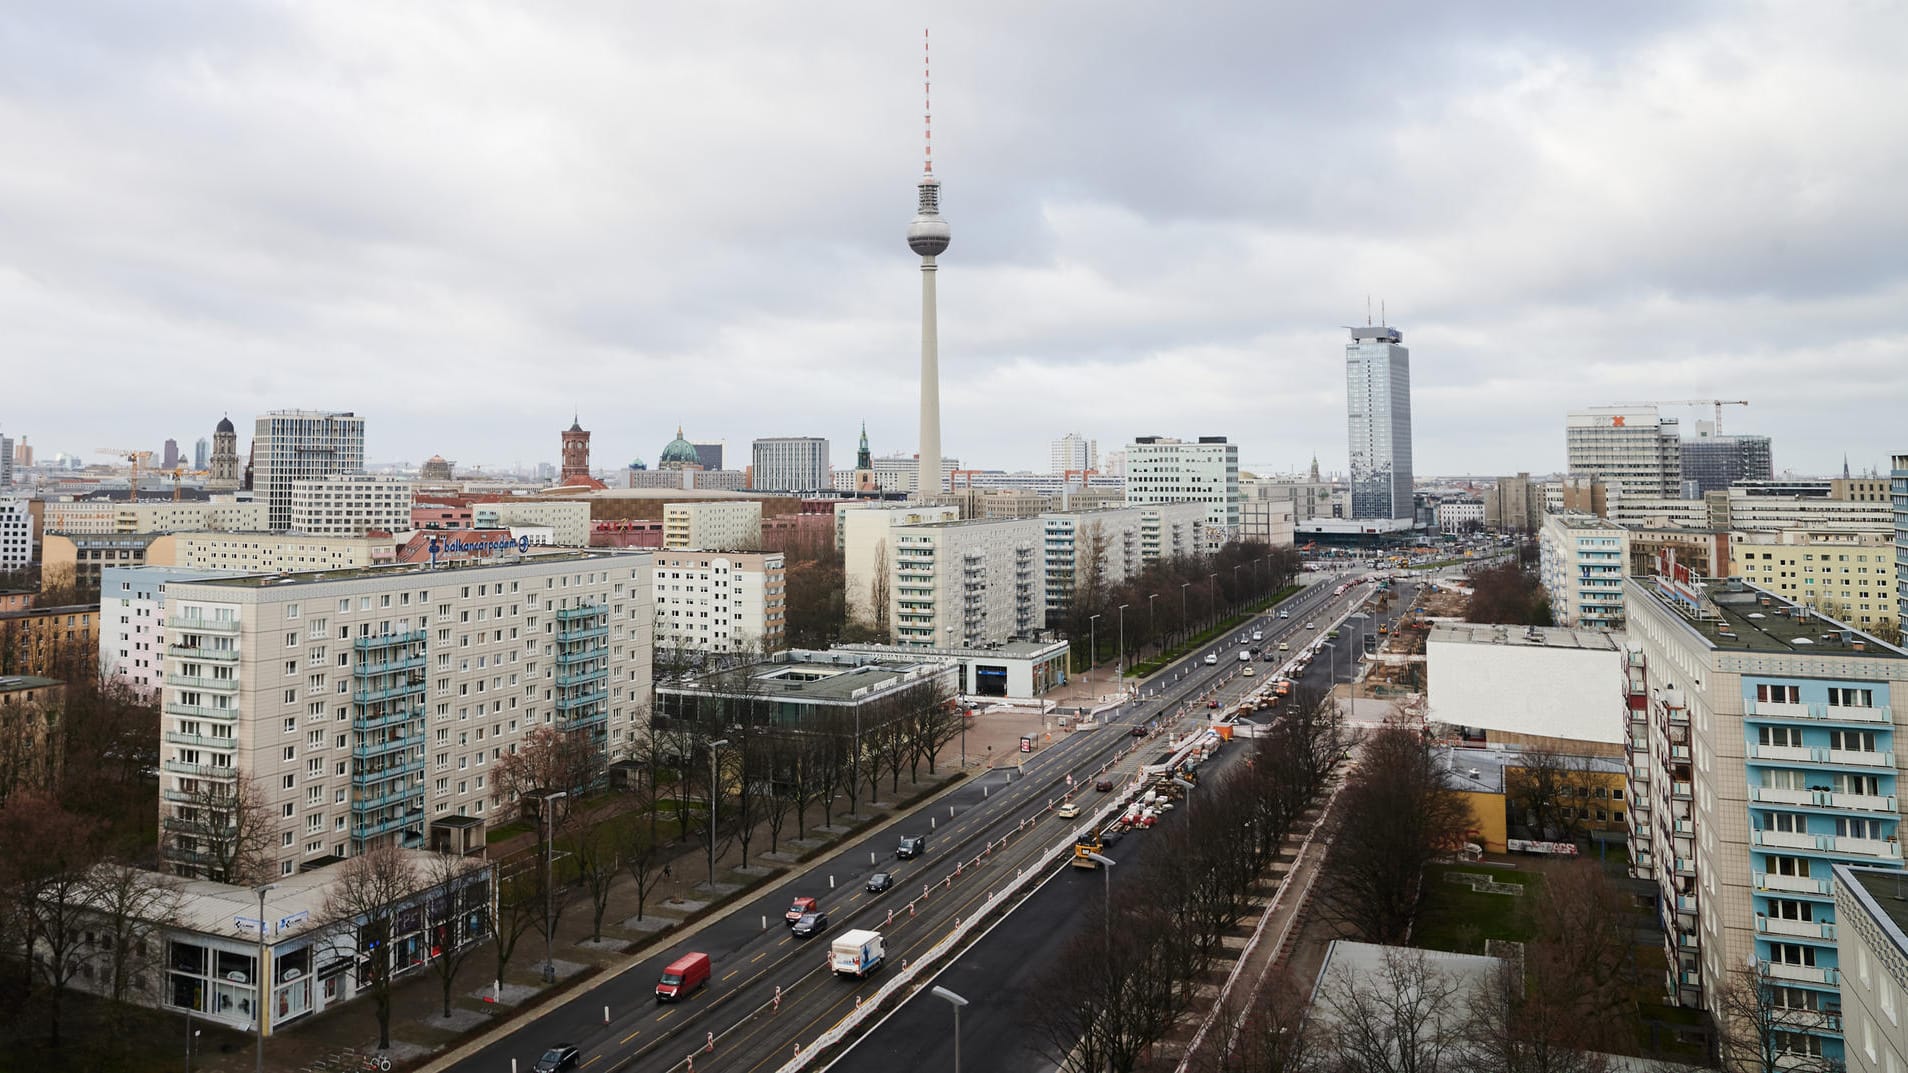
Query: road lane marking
pixel 732 972
pixel 631 1036
pixel 590 1059
pixel 663 1016
pixel 784 939
pixel 758 957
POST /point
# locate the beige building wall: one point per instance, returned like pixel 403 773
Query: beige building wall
pixel 721 601
pixel 350 504
pixel 1845 572
pixel 271 552
pixel 967 583
pixel 92 517
pixel 713 526
pixel 569 520
pixel 863 533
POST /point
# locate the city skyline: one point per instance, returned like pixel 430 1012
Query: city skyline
pixel 1165 222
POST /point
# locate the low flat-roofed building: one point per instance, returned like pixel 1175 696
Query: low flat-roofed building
pixel 1021 669
pixel 800 686
pixel 1527 685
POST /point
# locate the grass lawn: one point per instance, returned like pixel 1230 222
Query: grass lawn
pixel 1458 918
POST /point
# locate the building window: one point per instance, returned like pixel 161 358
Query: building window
pixel 1773 694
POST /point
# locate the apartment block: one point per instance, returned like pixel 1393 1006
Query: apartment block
pixel 1581 561
pixel 789 464
pixel 967 583
pixel 1632 449
pixel 1871 947
pixel 78 559
pixel 271 552
pixel 132 623
pixel 16 535
pixel 1175 530
pixel 1161 469
pixel 720 601
pixel 370 706
pixel 1515 503
pixel 713 525
pixel 97 517
pixel 294 445
pixel 1762 751
pixel 1460 515
pixel 567 519
pixel 1272 522
pixel 350 504
pixel 863 534
pixel 51 642
pixel 1846 572
pixel 1081 547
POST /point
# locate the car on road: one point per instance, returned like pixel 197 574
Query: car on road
pixel 798 909
pixel 1103 785
pixel 1067 811
pixel 1212 658
pixel 1284 647
pixel 1285 614
pixel 1248 672
pixel 911 846
pixel 1258 635
pixel 1311 625
pixel 560 1057
pixel 1245 657
pixel 1214 703
pixel 879 882
pixel 811 924
pixel 1139 730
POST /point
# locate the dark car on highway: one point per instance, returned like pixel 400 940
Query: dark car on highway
pixel 879 882
pixel 560 1057
pixel 810 924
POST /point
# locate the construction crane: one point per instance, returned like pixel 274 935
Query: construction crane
pixel 137 458
pixel 1717 403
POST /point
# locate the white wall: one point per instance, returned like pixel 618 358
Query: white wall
pixel 1526 689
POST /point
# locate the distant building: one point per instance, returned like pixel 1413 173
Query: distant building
pixel 224 474
pixel 709 455
pixel 78 558
pixel 1632 449
pixel 567 519
pixel 1582 559
pixel 1460 515
pixel 789 464
pixel 1268 521
pixel 1074 454
pixel 1711 462
pixel 49 642
pixel 201 454
pixel 863 532
pixel 1018 669
pixel 95 517
pixel 1763 512
pixel 16 535
pixel 576 454
pixel 680 454
pixel 1160 469
pixel 713 526
pixel 1515 503
pixel 966 583
pixel 269 552
pixel 1871 946
pixel 132 631
pixel 435 468
pixel 1107 546
pixel 294 445
pixel 805 688
pixel 1544 687
pixel 169 457
pixel 1378 419
pixel 720 601
pixel 1846 572
pixel 350 504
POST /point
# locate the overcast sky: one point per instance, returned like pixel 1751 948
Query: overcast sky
pixel 468 221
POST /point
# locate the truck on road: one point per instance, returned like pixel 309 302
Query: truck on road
pixel 856 953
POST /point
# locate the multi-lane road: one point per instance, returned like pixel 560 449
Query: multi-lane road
pixel 771 991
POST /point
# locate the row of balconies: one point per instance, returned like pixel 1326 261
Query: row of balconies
pixel 389 640
pixel 396 743
pixel 1887 849
pixel 1771 710
pixel 213 655
pixel 366 721
pixel 583 677
pixel 1823 799
pixel 391 769
pixel 202 741
pixel 1814 754
pixel 193 681
pixel 196 711
pixel 202 771
pixel 583 634
pixel 412 662
pixel 594 696
pixel 587 611
pixel 1801 929
pixel 413 688
pixel 1806 974
pixel 203 625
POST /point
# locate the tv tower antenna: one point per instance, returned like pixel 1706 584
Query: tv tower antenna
pixel 928 237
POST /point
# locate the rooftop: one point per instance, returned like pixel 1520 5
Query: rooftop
pixel 354 573
pixel 1733 614
pixel 833 677
pixel 1527 636
pixel 1883 892
pixel 15 682
pixel 1000 650
pixel 1481 771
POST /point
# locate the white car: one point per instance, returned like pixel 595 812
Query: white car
pixel 1257 636
pixel 1311 625
pixel 1212 658
pixel 1245 657
pixel 1067 811
pixel 1285 614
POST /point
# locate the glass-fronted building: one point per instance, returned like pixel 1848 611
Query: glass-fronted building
pixel 1378 420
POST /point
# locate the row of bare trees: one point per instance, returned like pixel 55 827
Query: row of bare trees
pixel 1167 602
pixel 1113 991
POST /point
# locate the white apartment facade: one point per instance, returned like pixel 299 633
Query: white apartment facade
pixel 1161 469
pixel 367 705
pixel 1072 540
pixel 790 464
pixel 1074 454
pixel 967 583
pixel 16 534
pixel 1582 560
pixel 863 533
pixel 713 525
pixel 98 517
pixel 721 602
pixel 902 473
pixel 1460 515
pixel 351 504
pixel 1748 511
pixel 1176 530
pixel 132 627
pixel 270 552
pixel 1872 950
pixel 1632 449
pixel 567 519
pixel 294 445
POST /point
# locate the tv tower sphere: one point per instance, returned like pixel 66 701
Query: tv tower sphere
pixel 928 234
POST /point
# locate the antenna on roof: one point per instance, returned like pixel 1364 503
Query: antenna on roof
pixel 927 106
pixel 1381 314
pixel 1367 310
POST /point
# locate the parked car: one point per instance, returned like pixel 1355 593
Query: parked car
pixel 879 882
pixel 560 1057
pixel 1248 672
pixel 1067 811
pixel 810 924
pixel 800 908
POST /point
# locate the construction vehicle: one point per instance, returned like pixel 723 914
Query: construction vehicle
pixel 1083 849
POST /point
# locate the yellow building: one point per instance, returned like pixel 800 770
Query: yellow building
pixel 76 559
pixel 1844 571
pixel 55 642
pixel 1507 789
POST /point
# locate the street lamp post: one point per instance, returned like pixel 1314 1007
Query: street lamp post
pixel 259 977
pixel 957 1002
pixel 1151 630
pixel 1183 621
pixel 1188 787
pixel 715 792
pixel 1212 596
pixel 1106 872
pixel 1235 576
pixel 1093 644
pixel 1120 680
pixel 549 881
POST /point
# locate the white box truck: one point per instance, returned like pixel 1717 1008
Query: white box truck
pixel 856 953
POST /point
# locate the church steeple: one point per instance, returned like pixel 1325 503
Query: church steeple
pixel 864 466
pixel 864 459
pixel 1314 469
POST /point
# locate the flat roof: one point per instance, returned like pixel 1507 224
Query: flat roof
pixel 1744 617
pixel 1884 893
pixel 1003 650
pixel 1523 636
pixel 825 677
pixel 14 682
pixel 353 573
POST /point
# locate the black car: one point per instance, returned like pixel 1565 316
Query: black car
pixel 911 846
pixel 1139 730
pixel 560 1057
pixel 810 924
pixel 879 882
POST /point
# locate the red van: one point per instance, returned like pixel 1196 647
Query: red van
pixel 683 975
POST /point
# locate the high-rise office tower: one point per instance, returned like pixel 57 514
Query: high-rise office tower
pixel 223 474
pixel 1712 462
pixel 1074 453
pixel 709 455
pixel 170 456
pixel 6 461
pixel 1161 469
pixel 928 236
pixel 1378 418
pixel 790 464
pixel 1633 450
pixel 201 454
pixel 292 445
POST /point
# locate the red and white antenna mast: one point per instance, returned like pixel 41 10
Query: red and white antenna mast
pixel 927 105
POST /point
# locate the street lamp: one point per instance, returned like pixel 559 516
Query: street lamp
pixel 1121 664
pixel 1106 872
pixel 549 881
pixel 1212 596
pixel 260 977
pixel 714 794
pixel 957 1002
pixel 1183 586
pixel 1188 787
pixel 1151 631
pixel 1093 644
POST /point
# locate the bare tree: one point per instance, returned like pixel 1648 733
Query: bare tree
pixel 933 718
pixel 1269 1036
pixel 1399 815
pixel 134 907
pixel 46 857
pixel 1765 1026
pixel 1583 961
pixel 598 852
pixel 516 908
pixel 549 761
pixel 1404 1018
pixel 781 770
pixel 361 910
pixel 1548 793
pixel 221 832
pixel 1512 1030
pixel 457 911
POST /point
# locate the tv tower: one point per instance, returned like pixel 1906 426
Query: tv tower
pixel 928 236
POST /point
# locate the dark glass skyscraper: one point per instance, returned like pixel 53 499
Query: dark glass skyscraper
pixel 1378 418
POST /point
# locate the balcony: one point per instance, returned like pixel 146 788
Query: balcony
pixel 204 625
pixel 580 678
pixel 201 741
pixel 1801 929
pixel 201 771
pixel 388 640
pixel 396 717
pixel 399 769
pixel 1823 799
pixel 1802 974
pixel 595 696
pixel 1884 849
pixel 1685 866
pixel 209 655
pixel 1688 940
pixel 1788 754
pixel 1770 711
pixel 1769 881
pixel 565 659
pixel 389 666
pixel 193 681
pixel 362 831
pixel 374 696
pixel 1786 839
pixel 196 711
pixel 386 747
pixel 387 798
pixel 1816 754
pixel 1682 791
pixel 583 634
